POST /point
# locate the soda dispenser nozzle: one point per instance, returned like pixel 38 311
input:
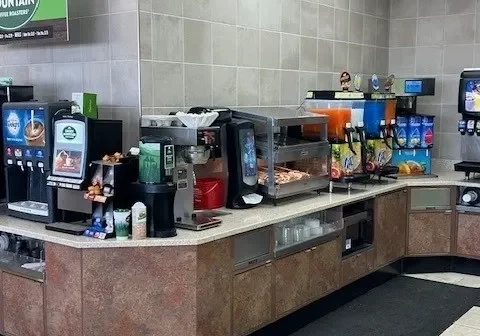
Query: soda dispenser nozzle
pixel 471 127
pixel 462 127
pixel 349 130
pixel 477 128
pixel 30 165
pixel 41 165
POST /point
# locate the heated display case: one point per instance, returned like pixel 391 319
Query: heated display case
pixel 289 162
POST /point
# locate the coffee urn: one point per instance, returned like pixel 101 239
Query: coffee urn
pixel 155 186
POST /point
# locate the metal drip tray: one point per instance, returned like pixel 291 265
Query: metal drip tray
pixel 212 213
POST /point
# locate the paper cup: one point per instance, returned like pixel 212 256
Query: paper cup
pixel 122 223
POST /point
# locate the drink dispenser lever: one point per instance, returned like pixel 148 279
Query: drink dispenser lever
pixel 361 132
pixel 349 130
pixel 462 127
pixel 41 165
pixel 384 134
pixel 20 164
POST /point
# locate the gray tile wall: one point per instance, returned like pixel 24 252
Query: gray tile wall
pixel 101 56
pixel 436 38
pixel 255 52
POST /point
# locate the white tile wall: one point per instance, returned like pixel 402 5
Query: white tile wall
pixel 436 38
pixel 255 52
pixel 101 56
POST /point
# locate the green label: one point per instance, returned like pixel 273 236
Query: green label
pixel 15 14
pixel 69 132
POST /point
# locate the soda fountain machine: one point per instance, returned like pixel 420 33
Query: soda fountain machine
pixel 27 138
pixel 469 124
pixel 412 132
pixel 10 94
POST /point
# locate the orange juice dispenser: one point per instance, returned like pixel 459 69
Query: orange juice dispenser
pixel 345 125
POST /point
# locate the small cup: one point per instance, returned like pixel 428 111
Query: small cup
pixel 287 235
pixel 122 223
pixel 298 233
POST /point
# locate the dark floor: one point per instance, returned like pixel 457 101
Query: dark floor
pixel 400 307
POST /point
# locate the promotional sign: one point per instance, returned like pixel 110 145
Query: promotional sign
pixel 69 148
pixel 27 20
pixel 24 127
pixel 413 161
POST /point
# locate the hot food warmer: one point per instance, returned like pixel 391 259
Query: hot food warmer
pixel 289 163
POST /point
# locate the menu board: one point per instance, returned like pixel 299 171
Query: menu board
pixel 69 148
pixel 25 127
pixel 27 20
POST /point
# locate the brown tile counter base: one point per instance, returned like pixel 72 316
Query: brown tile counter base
pixel 141 291
pixel 63 290
pixel 23 311
pixel 429 233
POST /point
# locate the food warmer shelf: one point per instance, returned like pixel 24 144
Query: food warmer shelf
pixel 287 149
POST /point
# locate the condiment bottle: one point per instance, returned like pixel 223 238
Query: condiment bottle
pixel 139 221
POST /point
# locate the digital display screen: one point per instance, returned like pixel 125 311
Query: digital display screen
pixel 69 148
pixel 248 151
pixel 24 127
pixel 413 86
pixel 472 96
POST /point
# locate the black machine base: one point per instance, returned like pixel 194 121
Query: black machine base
pixel 467 167
pixel 73 229
pixel 166 234
pixel 356 178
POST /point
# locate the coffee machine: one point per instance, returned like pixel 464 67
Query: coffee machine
pixel 469 124
pixel 155 186
pixel 28 149
pixel 193 148
pixel 9 94
pixel 77 141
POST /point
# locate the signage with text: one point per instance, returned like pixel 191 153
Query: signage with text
pixel 27 20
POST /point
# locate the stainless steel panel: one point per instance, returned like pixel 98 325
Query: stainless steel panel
pixel 470 148
pixel 296 187
pixel 182 136
pixel 463 208
pixel 280 116
pixel 430 198
pixel 72 200
pixel 252 248
pixel 307 244
pixel 294 153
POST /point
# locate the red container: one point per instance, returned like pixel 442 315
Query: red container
pixel 209 194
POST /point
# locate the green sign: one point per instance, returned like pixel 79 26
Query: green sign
pixel 69 132
pixel 22 20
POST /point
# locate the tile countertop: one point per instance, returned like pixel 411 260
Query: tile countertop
pixel 239 221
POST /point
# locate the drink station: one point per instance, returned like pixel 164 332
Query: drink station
pixel 469 124
pixel 413 132
pixel 28 140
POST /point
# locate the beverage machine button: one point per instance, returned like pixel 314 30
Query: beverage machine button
pixel 10 161
pixel 41 165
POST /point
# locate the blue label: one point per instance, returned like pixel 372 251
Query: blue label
pixel 414 131
pixel 24 127
pixel 28 153
pixel 39 154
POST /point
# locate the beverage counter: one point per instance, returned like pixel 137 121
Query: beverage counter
pixel 195 283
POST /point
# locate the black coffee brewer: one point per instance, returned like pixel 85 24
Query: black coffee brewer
pixel 27 138
pixel 155 186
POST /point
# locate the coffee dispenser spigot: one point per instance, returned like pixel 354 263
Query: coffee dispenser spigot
pixel 349 130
